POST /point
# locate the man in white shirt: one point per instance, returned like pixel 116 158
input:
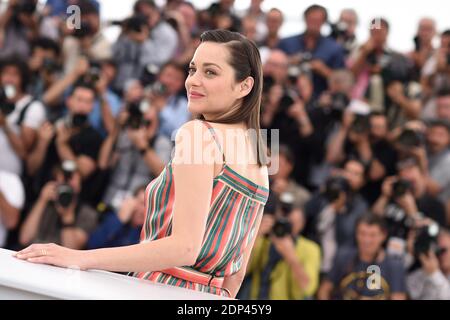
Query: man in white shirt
pixel 12 199
pixel 19 123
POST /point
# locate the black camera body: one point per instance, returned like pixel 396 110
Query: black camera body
pixel 360 124
pixel 281 228
pixel 400 188
pixel 411 139
pixel 77 120
pixel 426 240
pixel 339 102
pixel 65 193
pixel 50 65
pixel 84 31
pixel 27 7
pixel 93 74
pixel 136 111
pixel 6 106
pixel 334 187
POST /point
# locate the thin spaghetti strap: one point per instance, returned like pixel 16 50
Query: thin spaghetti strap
pixel 214 135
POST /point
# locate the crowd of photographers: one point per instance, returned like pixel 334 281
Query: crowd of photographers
pixel 360 205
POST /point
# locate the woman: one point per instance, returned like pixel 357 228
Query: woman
pixel 202 214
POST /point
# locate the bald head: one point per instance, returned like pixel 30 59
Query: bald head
pixel 277 65
pixel 426 30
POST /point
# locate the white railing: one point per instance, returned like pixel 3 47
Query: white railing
pixel 23 280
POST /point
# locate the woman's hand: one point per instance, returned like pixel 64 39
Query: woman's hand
pixel 53 254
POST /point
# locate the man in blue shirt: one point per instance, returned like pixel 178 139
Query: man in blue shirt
pixel 313 51
pixel 122 228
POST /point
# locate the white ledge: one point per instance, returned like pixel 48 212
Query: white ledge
pixel 23 280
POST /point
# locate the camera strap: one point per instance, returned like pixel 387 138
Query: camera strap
pixel 23 111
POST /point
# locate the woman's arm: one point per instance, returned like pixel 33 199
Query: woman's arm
pixel 193 189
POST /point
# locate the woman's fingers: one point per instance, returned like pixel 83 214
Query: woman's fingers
pixel 33 251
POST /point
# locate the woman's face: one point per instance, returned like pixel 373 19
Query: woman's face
pixel 210 85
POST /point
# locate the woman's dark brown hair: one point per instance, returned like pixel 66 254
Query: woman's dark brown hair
pixel 246 62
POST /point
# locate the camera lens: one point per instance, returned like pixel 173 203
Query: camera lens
pixel 65 195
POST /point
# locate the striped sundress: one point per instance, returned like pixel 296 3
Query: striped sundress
pixel 236 203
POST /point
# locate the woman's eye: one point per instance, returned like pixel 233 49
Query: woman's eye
pixel 210 73
pixel 191 70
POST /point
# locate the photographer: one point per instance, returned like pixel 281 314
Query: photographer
pixel 282 182
pixel 12 200
pixel 59 215
pixel 134 153
pixel 432 280
pixel 436 71
pixel 423 45
pixel 70 138
pixel 384 78
pixel 44 64
pixel 283 264
pixel 146 41
pixel 20 115
pixel 122 227
pixel 438 142
pixel 167 95
pixel 326 115
pixel 100 75
pixel 365 137
pixel 274 20
pixel 18 27
pixel 351 279
pixel 87 40
pixel 282 107
pixel 332 213
pixel 321 54
pixel 344 31
pixel 404 201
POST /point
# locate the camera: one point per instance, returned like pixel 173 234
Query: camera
pixel 334 187
pixel 339 102
pixel 50 65
pixel 157 88
pixel 411 139
pixel 338 30
pixel 149 74
pixel 7 93
pixel 77 120
pixel 360 124
pixel 85 30
pixel 400 188
pixel 426 240
pixel 282 226
pixel 268 83
pixel 136 111
pixel 93 74
pixel 65 193
pixel 134 23
pixel 27 7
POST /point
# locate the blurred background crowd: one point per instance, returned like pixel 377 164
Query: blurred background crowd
pixel 364 165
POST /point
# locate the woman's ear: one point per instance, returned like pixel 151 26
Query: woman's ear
pixel 246 87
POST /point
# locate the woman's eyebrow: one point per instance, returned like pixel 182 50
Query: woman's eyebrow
pixel 206 64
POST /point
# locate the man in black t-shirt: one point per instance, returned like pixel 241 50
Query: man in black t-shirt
pixel 70 138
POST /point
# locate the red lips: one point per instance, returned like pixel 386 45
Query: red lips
pixel 196 94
